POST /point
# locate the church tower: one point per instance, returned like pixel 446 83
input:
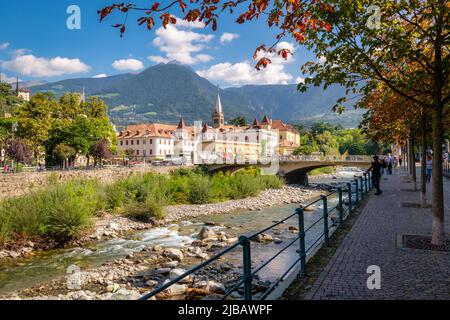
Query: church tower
pixel 218 117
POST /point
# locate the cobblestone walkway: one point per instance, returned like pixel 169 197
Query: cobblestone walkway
pixel 373 240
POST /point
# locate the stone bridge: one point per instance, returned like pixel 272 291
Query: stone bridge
pixel 295 169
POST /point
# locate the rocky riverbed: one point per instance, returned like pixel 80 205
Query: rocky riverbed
pixel 151 267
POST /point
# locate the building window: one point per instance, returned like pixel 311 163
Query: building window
pixel 121 142
pixel 126 142
pixel 151 151
pixel 132 142
pixel 137 142
pixel 137 152
pixel 151 141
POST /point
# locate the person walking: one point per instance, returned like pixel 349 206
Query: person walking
pixel 389 164
pixel 400 159
pixel 429 167
pixel 376 174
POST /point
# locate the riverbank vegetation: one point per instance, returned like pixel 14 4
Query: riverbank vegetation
pixel 61 212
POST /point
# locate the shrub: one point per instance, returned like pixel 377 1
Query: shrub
pixel 200 189
pixel 144 212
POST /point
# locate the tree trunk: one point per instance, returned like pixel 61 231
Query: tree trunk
pixel 423 167
pixel 438 234
pixel 412 162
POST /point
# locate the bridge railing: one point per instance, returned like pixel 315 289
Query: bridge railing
pixel 349 158
pixel 332 218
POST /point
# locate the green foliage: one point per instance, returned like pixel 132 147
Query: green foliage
pixel 48 124
pixel 238 121
pixel 59 211
pixel 8 99
pixel 324 170
pixel 333 140
pixel 199 189
pixel 145 211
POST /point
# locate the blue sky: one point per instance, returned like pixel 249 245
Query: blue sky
pixel 35 44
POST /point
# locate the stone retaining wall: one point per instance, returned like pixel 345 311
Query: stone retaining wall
pixel 13 185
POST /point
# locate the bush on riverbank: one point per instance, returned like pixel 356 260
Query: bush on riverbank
pixel 59 211
pixel 62 211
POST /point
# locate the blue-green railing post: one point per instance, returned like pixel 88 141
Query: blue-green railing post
pixel 362 187
pixel 366 186
pixel 341 208
pixel 325 220
pixel 247 266
pixel 302 249
pixel 349 189
pixel 357 192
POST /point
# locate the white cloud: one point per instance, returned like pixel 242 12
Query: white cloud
pixel 4 46
pixel 178 42
pixel 20 52
pixel 228 37
pixel 128 65
pixel 30 65
pixel 300 80
pixel 243 73
pixel 101 75
pixel 7 79
pixel 158 59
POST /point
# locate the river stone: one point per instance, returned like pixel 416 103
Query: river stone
pixel 175 289
pixel 171 264
pixel 293 229
pixel 277 240
pixel 206 233
pixel 151 283
pixel 161 271
pixel 174 254
pixel 80 295
pixel 124 294
pixel 263 237
pixel 112 288
pixel 175 273
pixel 211 286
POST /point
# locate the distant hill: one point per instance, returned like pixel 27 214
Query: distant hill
pixel 166 91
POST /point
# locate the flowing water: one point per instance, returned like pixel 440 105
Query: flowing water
pixel 47 265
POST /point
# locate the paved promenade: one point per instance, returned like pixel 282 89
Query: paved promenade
pixel 373 240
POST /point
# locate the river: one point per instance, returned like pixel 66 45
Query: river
pixel 43 266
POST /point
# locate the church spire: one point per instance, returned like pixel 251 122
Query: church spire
pixel 218 116
pixel 181 124
pixel 218 107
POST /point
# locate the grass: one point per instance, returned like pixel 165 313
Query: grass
pixel 62 211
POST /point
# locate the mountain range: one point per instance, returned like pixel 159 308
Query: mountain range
pixel 165 92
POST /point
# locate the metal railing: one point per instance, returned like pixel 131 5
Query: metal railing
pixel 349 158
pixel 348 198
